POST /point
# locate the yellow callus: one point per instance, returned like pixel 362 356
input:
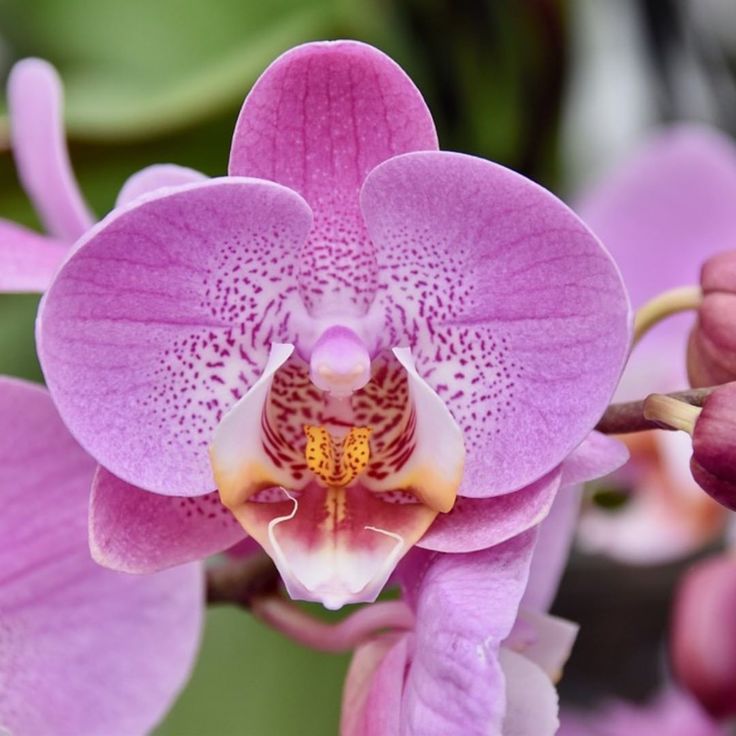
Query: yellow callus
pixel 337 462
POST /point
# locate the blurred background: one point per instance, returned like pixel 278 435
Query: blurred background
pixel 556 90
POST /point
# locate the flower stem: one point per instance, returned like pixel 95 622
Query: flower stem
pixel 632 416
pixel 254 584
pixel 671 412
pixel 681 299
pixel 297 624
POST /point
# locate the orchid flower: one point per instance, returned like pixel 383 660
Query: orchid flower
pixel 662 213
pixel 28 259
pixel 360 342
pixel 84 650
pixel 671 713
pixel 472 661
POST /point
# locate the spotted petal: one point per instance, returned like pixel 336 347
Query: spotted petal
pixel 83 650
pixel 318 120
pixel 516 315
pixel 163 318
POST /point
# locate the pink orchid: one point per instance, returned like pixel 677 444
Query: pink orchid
pixel 28 259
pixel 84 650
pixel 363 343
pixel 671 713
pixel 471 661
pixel 667 209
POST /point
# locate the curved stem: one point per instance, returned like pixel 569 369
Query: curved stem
pixel 297 624
pixel 671 412
pixel 631 416
pixel 681 299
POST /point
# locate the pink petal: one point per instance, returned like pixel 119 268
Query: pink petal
pixel 532 703
pixel 475 524
pixel 157 176
pixel 318 120
pixel 515 314
pixel 667 208
pixel 371 700
pixel 135 531
pixel 163 318
pixel 334 549
pixel 84 650
pixel 598 455
pixel 554 540
pixel 37 128
pixel 27 260
pixel 466 606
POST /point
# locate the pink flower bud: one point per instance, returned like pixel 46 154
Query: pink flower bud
pixel 703 634
pixel 713 463
pixel 711 350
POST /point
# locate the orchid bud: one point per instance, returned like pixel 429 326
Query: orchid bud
pixel 713 463
pixel 713 431
pixel 703 634
pixel 711 350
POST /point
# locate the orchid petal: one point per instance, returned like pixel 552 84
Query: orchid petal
pixel 157 176
pixel 545 640
pixel 466 606
pixel 135 531
pixel 515 314
pixel 598 455
pixel 27 260
pixel 667 208
pixel 318 120
pixel 554 540
pixel 35 104
pixel 371 701
pixel 666 514
pixel 334 550
pixel 532 703
pixel 475 524
pixel 199 275
pixel 62 613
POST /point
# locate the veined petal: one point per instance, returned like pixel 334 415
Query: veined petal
pixel 202 280
pixel 128 641
pixel 37 129
pixel 335 546
pixel 466 606
pixel 596 456
pixel 516 315
pixel 475 524
pixel 318 120
pixel 532 703
pixel 27 260
pixel 157 176
pixel 135 531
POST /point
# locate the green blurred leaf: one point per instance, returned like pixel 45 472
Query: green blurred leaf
pixel 251 681
pixel 137 68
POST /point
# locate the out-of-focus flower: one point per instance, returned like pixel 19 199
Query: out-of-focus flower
pixel 347 336
pixel 83 650
pixel 472 663
pixel 671 713
pixel 662 214
pixel 28 260
pixel 711 348
pixel 703 634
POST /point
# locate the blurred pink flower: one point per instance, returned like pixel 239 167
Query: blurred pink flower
pixel 83 650
pixel 667 209
pixel 672 713
pixel 353 338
